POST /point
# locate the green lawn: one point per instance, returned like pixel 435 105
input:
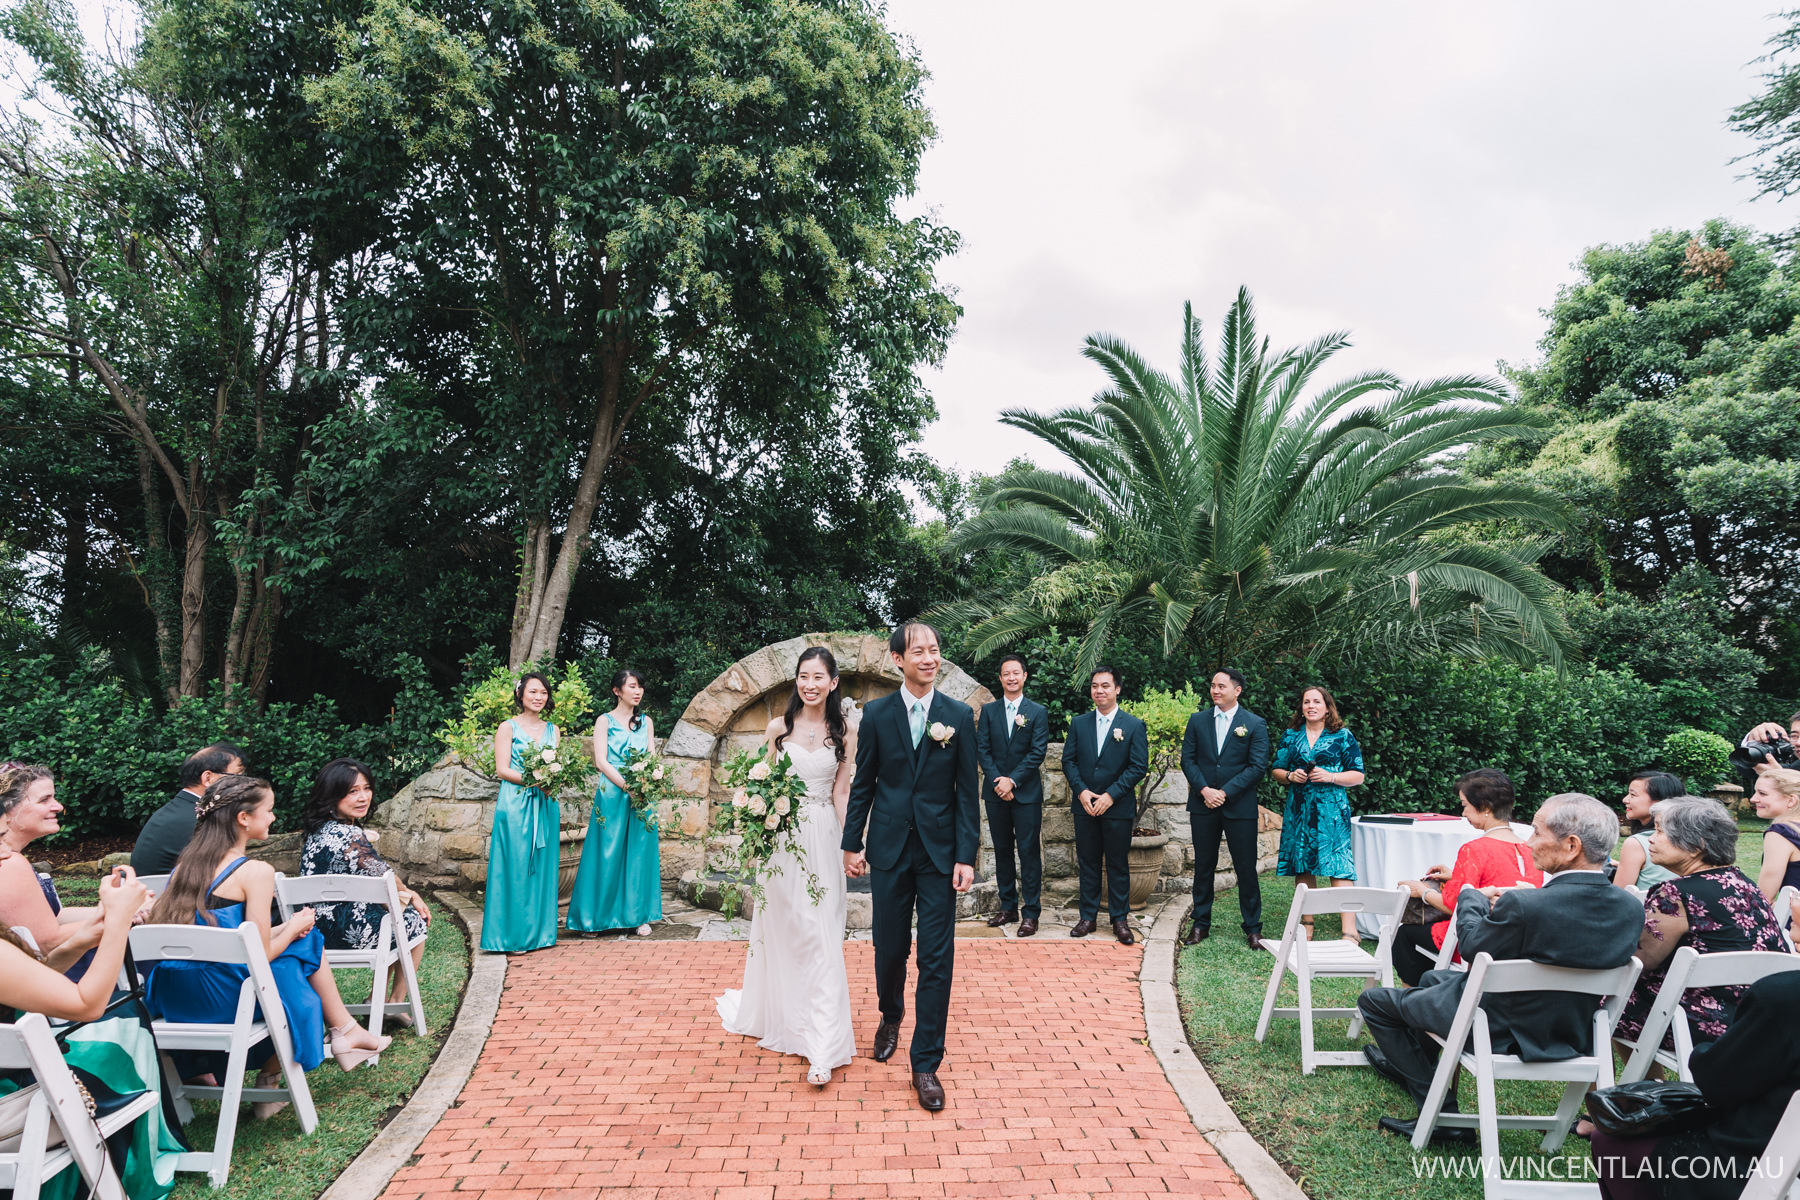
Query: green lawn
pixel 272 1160
pixel 1321 1128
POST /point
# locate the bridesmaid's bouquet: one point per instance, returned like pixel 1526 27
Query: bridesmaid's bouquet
pixel 763 814
pixel 648 784
pixel 552 769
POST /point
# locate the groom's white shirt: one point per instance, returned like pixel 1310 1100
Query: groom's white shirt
pixel 1102 723
pixel 910 700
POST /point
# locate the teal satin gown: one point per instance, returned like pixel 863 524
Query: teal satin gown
pixel 520 909
pixel 619 884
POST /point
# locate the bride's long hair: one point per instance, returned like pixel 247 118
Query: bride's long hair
pixel 836 730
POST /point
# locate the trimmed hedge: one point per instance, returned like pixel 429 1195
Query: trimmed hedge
pixel 116 756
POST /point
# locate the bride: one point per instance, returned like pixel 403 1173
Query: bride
pixel 796 995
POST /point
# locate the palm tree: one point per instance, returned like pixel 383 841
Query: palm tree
pixel 1231 512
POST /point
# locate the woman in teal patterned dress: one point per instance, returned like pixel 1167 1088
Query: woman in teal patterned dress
pixel 619 883
pixel 520 911
pixel 1318 760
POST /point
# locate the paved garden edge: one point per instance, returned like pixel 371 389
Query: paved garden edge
pixel 1206 1107
pixel 368 1174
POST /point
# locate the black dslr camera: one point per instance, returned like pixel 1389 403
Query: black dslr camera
pixel 1777 752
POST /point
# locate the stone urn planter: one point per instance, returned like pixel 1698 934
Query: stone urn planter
pixel 568 861
pixel 1146 859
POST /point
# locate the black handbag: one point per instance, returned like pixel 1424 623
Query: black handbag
pixel 1648 1108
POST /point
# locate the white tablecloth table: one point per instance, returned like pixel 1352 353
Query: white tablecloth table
pixel 1385 854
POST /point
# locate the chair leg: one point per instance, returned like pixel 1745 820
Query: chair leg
pixel 28 1176
pixel 1268 1008
pixel 235 1066
pixel 1573 1094
pixel 184 1108
pixel 410 973
pixel 1356 1023
pixel 1442 1084
pixel 1487 1108
pixel 1304 981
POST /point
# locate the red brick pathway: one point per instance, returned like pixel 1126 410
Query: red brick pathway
pixel 608 1075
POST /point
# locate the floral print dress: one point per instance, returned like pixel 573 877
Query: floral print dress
pixel 340 848
pixel 1726 911
pixel 1315 825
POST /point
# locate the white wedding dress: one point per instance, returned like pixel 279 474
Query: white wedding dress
pixel 796 993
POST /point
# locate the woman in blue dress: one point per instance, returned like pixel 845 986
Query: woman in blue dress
pixel 1318 760
pixel 216 883
pixel 519 912
pixel 619 884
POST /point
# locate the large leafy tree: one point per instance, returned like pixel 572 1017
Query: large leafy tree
pixel 647 212
pixel 1238 511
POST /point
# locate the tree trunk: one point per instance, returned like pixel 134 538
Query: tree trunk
pixel 156 576
pixel 547 629
pixel 534 567
pixel 193 598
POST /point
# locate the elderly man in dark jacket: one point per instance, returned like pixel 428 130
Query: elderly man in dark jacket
pixel 1577 919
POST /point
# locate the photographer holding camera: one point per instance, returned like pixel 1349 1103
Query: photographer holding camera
pixel 1769 746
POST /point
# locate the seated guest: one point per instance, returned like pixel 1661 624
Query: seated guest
pixel 1710 905
pixel 1577 919
pixel 215 883
pixel 1635 868
pixel 1748 1076
pixel 336 845
pixel 66 935
pixel 166 833
pixel 1498 858
pixel 1777 800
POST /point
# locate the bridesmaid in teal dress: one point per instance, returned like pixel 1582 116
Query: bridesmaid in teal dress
pixel 1319 760
pixel 520 912
pixel 619 884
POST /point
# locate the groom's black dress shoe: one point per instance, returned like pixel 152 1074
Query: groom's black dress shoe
pixel 931 1092
pixel 1005 916
pixel 1439 1137
pixel 1122 931
pixel 1027 927
pixel 1081 928
pixel 1196 934
pixel 1253 938
pixel 1382 1066
pixel 887 1040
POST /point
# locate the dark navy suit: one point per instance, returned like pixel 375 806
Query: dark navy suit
pixel 1116 769
pixel 919 806
pixel 1010 750
pixel 1235 769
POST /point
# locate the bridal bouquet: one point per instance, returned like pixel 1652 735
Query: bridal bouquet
pixel 648 784
pixel 763 814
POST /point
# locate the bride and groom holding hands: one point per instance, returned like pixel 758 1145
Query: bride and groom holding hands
pixel 908 770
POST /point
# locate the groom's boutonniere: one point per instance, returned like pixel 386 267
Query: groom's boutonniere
pixel 941 733
pixel 1118 735
pixel 1243 731
pixel 1021 721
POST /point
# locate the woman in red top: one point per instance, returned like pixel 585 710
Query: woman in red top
pixel 1498 858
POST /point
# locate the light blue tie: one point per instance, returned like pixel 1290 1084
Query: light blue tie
pixel 918 722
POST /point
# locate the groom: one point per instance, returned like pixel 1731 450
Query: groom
pixel 915 786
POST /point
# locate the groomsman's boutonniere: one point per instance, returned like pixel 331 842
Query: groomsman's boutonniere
pixel 1243 731
pixel 1118 735
pixel 941 733
pixel 1020 721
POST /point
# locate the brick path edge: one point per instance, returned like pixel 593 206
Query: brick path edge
pixel 1206 1107
pixel 368 1174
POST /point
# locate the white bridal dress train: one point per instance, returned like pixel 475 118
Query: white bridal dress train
pixel 796 994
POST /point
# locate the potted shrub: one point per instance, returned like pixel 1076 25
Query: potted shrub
pixel 1165 717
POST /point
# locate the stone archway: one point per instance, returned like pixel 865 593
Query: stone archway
pixel 733 711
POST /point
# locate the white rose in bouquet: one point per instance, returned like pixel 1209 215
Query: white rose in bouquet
pixel 783 805
pixel 539 774
pixel 760 771
pixel 555 767
pixel 740 798
pixel 549 755
pixel 758 806
pixel 638 766
pixel 772 822
pixel 656 774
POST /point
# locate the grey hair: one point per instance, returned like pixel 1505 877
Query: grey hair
pixel 1580 815
pixel 1699 826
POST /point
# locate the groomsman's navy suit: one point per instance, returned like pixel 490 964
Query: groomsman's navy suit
pixel 922 819
pixel 1010 750
pixel 1236 769
pixel 1115 768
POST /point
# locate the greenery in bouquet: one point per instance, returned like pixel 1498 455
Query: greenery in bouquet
pixel 763 813
pixel 649 785
pixel 471 735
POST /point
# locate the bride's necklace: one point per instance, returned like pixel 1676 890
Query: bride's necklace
pixel 812 735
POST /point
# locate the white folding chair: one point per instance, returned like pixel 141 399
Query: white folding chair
pixel 1335 958
pixel 1779 1163
pixel 58 1103
pixel 158 884
pixel 242 947
pixel 1691 969
pixel 1784 913
pixel 1489 978
pixel 391 947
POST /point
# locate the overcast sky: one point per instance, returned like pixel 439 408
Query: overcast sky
pixel 1422 175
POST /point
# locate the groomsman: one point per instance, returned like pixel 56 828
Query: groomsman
pixel 1224 755
pixel 1106 757
pixel 1010 743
